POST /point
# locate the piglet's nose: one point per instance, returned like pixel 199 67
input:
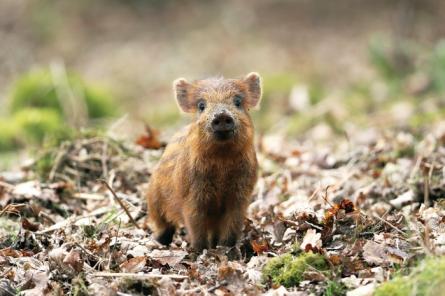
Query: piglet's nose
pixel 223 123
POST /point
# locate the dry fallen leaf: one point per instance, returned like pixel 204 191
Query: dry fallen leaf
pixel 149 140
pixel 74 259
pixel 132 265
pixel 10 252
pixel 39 282
pixel 259 246
pixel 379 254
pixel 29 226
pixel 311 240
pixel 170 257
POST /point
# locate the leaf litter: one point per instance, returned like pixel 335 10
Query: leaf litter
pixel 365 207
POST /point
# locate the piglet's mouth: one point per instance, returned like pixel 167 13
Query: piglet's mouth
pixel 223 136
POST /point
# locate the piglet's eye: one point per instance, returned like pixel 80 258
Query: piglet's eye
pixel 201 105
pixel 238 100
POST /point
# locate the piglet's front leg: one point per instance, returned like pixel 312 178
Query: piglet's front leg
pixel 197 229
pixel 231 228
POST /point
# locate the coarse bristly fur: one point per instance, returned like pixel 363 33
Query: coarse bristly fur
pixel 207 173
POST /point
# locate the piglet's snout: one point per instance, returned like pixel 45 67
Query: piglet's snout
pixel 223 122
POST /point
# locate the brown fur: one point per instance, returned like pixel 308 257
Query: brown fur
pixel 201 182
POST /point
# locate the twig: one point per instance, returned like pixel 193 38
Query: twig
pixel 120 203
pixel 60 154
pixel 104 160
pixel 211 289
pixel 389 224
pixel 15 209
pixel 426 189
pixel 325 196
pixel 313 225
pixel 314 193
pixel 47 217
pixel 65 222
pixel 139 275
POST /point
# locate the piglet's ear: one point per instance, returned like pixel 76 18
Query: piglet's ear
pixel 182 93
pixel 253 82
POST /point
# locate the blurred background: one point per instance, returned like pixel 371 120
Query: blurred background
pixel 330 68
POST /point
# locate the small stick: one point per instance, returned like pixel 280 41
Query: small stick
pixel 15 209
pixel 389 224
pixel 69 220
pixel 426 189
pixel 139 275
pixel 313 225
pixel 104 159
pixel 314 193
pixel 120 203
pixel 60 155
pixel 47 217
pixel 325 196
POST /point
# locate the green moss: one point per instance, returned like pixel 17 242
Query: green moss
pixel 397 286
pixel 9 138
pixel 89 231
pixel 8 232
pixel 44 164
pixel 79 286
pixel 272 270
pixel 288 270
pixel 427 279
pixel 295 249
pixel 335 289
pixel 38 89
pixel 426 118
pixel 36 124
pixel 99 102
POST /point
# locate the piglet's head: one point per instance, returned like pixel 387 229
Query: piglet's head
pixel 221 107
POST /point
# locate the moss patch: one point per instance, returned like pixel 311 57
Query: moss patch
pixel 427 279
pixel 335 289
pixel 9 139
pixel 39 89
pixel 288 270
pixel 36 124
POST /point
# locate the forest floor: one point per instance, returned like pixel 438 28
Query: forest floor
pixel 328 218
